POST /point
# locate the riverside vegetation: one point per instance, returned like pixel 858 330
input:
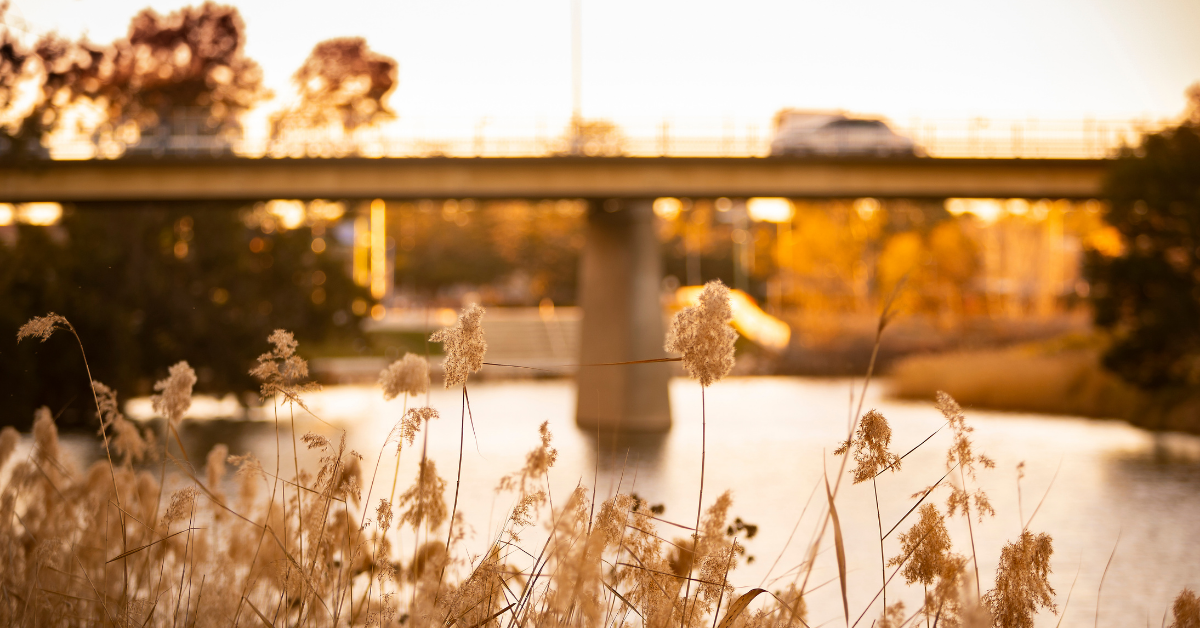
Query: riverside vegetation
pixel 125 543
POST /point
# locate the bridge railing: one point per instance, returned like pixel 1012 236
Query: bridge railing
pixel 677 137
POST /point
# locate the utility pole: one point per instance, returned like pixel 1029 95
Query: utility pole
pixel 577 60
pixel 577 140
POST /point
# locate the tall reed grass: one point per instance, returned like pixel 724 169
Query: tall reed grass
pixel 147 537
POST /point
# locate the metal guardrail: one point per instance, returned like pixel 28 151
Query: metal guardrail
pixel 948 138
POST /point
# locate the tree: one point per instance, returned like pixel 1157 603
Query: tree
pixel 1149 295
pixel 53 70
pixel 191 60
pixel 342 84
pixel 147 286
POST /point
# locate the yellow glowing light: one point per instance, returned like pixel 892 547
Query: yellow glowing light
pixel 1017 206
pixel 769 209
pixel 359 307
pixel 39 213
pixel 8 213
pixel 291 214
pixel 986 209
pixel 378 311
pixel 546 309
pixel 749 319
pixel 446 317
pixel 1107 241
pixel 362 252
pixel 324 210
pixel 318 245
pixel 667 208
pixel 866 207
pixel 378 250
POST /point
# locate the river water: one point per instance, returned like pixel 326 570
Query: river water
pixel 769 441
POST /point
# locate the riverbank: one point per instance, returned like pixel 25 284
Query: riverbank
pixel 1060 376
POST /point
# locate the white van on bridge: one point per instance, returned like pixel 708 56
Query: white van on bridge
pixel 835 134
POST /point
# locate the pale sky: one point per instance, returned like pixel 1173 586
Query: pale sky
pixel 467 59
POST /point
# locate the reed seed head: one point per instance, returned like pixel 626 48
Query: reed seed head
pixel 383 514
pixel 176 393
pixel 180 506
pixel 701 333
pixel 537 463
pixel 405 430
pixel 408 375
pixel 960 451
pixel 926 546
pixel 870 448
pixel 281 371
pixel 9 437
pixel 45 435
pixel 893 616
pixel 424 501
pixel 127 441
pixel 42 327
pixel 1186 610
pixel 464 345
pixel 1022 582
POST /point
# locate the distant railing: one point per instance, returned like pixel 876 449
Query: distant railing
pixel 676 137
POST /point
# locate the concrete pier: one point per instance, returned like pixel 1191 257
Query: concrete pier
pixel 620 278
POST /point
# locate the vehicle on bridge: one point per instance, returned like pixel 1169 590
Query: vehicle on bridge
pixel 835 134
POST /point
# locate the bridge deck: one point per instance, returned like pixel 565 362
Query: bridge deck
pixel 235 178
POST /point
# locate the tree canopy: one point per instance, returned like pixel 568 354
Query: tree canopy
pixel 1149 294
pixel 190 60
pixel 343 83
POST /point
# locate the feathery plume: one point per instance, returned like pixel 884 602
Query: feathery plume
pixel 960 452
pixel 537 462
pixel 405 430
pixel 425 500
pixel 1022 582
pixel 281 370
pixel 181 503
pixel 41 327
pixel 464 345
pixel 408 375
pixel 523 514
pixel 383 514
pixel 703 335
pixel 9 437
pixel 927 546
pixel 176 389
pixel 45 435
pixel 893 616
pixel 126 439
pixel 870 448
pixel 1186 610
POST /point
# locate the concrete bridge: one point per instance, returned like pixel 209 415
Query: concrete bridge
pixel 621 264
pixel 232 178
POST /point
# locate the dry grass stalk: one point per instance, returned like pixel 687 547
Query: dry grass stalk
pixel 209 560
pixel 703 335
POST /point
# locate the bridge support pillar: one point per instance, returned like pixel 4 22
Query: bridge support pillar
pixel 620 275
